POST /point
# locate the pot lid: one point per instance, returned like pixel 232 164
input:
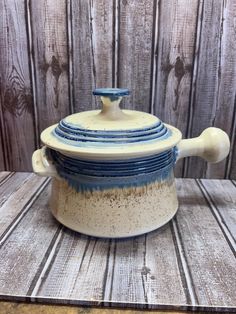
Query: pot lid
pixel 111 132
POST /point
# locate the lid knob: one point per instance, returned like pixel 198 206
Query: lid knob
pixel 111 98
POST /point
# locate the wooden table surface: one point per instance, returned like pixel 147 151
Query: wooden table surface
pixel 26 308
pixel 187 264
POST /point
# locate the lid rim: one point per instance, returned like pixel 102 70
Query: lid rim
pixel 121 152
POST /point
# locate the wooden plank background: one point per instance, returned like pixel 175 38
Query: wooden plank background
pixel 177 57
pixel 187 264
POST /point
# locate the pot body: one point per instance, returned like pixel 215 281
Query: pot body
pixel 121 197
pixel 114 199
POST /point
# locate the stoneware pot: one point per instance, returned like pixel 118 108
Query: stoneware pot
pixel 112 169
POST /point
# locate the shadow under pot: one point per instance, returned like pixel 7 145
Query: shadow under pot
pixel 112 169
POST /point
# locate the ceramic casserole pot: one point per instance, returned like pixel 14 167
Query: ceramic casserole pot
pixel 112 169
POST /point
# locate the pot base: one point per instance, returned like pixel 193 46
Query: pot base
pixel 102 235
pixel 114 213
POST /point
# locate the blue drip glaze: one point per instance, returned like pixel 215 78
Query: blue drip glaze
pixel 176 152
pixel 96 175
pixel 84 183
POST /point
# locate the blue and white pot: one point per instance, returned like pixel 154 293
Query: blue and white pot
pixel 112 169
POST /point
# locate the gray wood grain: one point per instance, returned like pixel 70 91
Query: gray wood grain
pixel 232 171
pixel 61 279
pixel 3 176
pixel 145 270
pixel 175 57
pixel 216 75
pixel 13 183
pixel 135 27
pixel 78 269
pixel 2 161
pixel 15 194
pixel 222 196
pixel 16 105
pixel 26 248
pixel 210 259
pixel 187 263
pixel 121 272
pixel 92 41
pixel 51 69
pixel 127 283
pixel 165 279
pixel 225 114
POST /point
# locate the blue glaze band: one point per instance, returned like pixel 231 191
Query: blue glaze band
pixel 84 175
pixel 112 93
pixel 77 136
pixel 106 92
pixel 75 129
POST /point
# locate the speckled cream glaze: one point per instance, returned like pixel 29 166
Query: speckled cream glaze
pixel 114 213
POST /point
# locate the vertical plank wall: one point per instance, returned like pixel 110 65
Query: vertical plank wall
pixel 135 31
pixel 92 35
pixel 215 82
pixel 177 57
pixel 17 111
pixel 50 74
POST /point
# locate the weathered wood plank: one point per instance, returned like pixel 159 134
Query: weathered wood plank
pixel 164 277
pixel 175 57
pixel 72 275
pixel 26 308
pixel 187 280
pixel 12 184
pixel 3 176
pixel 145 270
pixel 77 259
pixel 78 269
pixel 67 263
pixel 222 196
pixel 94 262
pixel 43 262
pixel 51 70
pixel 26 248
pixel 225 114
pixel 232 173
pixel 92 41
pixel 231 169
pixel 2 161
pixel 216 76
pixel 16 105
pixel 128 263
pixel 16 194
pixel 210 260
pixel 135 27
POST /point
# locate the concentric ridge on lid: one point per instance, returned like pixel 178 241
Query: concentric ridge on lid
pixel 75 135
